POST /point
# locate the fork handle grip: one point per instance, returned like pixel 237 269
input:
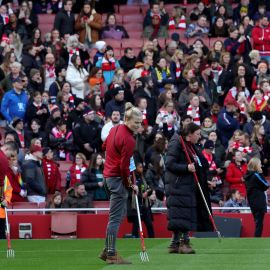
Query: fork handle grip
pixel 142 240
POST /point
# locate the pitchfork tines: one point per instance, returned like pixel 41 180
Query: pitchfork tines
pixel 10 253
pixel 144 256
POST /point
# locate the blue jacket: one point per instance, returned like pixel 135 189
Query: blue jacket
pixel 232 46
pixel 256 17
pixel 38 9
pixel 113 105
pixel 97 57
pixel 108 75
pixel 14 105
pixel 226 124
pixel 54 89
pixel 236 12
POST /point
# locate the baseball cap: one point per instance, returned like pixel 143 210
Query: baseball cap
pixel 36 148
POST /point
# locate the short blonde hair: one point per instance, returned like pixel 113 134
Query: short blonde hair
pixel 81 155
pixel 253 164
pixel 253 54
pixel 131 111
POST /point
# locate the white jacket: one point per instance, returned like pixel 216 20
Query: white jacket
pixel 135 73
pixel 75 78
pixel 48 80
pixel 106 130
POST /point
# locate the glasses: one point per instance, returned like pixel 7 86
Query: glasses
pixel 98 83
pixel 99 73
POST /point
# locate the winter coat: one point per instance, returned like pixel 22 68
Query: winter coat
pixel 234 47
pixel 75 78
pixel 148 31
pixel 233 203
pixel 236 12
pixel 71 177
pixel 64 23
pixel 256 186
pixel 148 20
pixel 227 5
pixel 213 86
pixel 206 131
pixel 153 183
pixel 74 117
pixel 54 89
pixel 84 55
pixel 183 101
pixel 263 46
pixel 29 62
pixel 234 176
pixel 51 123
pixel 67 144
pixel 99 55
pixel 135 73
pixel 31 113
pixel 213 33
pixel 165 80
pixel 7 82
pixel 34 86
pixel 255 152
pixel 215 195
pixel 33 177
pixel 113 32
pixel 60 105
pixel 73 201
pixel 29 27
pixel 95 26
pixel 42 9
pixel 114 105
pixel 226 124
pixel 47 77
pixel 250 125
pixel 55 173
pixel 109 95
pixel 14 182
pixel 263 149
pixel 127 64
pixel 220 152
pixel 108 75
pixel 167 55
pixel 20 30
pixel 41 135
pixel 186 209
pixel 10 129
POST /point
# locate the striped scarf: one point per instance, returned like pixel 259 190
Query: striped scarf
pixel 181 25
pixel 5 19
pixel 196 119
pixel 212 166
pixel 20 180
pixel 71 52
pixel 258 104
pixel 106 66
pixel 101 115
pixel 71 98
pixel 48 172
pixel 247 150
pixel 179 67
pixel 144 113
pixel 56 133
pixel 242 108
pixel 163 112
pixel 79 172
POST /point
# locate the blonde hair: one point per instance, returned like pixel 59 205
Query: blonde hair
pixel 255 133
pixel 18 41
pixel 192 59
pixel 221 57
pixel 174 57
pixel 191 96
pixel 81 155
pixel 166 103
pixel 253 164
pixel 253 54
pixel 178 11
pixel 145 47
pixel 211 119
pixel 131 111
pixel 237 131
pixel 185 72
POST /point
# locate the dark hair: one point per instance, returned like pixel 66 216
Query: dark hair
pixel 230 193
pixel 246 135
pixel 94 71
pixel 12 146
pixel 9 133
pixel 116 111
pixel 219 31
pixel 58 69
pixel 262 16
pixel 39 42
pixel 232 29
pixel 55 54
pixel 61 122
pixel 29 47
pixel 92 162
pixel 198 39
pixel 190 128
pixel 236 59
pixel 146 80
pixel 262 83
pixel 65 2
pixel 128 49
pixel 159 145
pixel 77 184
pixel 261 91
pixel 237 67
pixel 92 102
pixel 63 83
pixel 155 162
pixel 153 4
pixel 215 104
pixel 35 120
pixel 226 16
pixel 48 93
pixel 158 60
pixel 108 16
pixel 73 61
pixel 92 6
pixel 202 16
pixel 184 117
pixel 68 33
pixel 193 80
pixel 138 101
pixel 237 82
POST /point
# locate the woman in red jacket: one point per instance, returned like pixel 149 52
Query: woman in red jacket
pixel 235 172
pixel 51 172
pixel 14 177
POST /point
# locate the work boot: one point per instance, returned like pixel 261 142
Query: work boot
pixel 185 248
pixel 116 259
pixel 174 247
pixel 103 254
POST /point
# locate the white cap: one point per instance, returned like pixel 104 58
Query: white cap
pixel 100 44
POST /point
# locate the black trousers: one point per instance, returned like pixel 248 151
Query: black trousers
pixel 146 218
pixel 258 218
pixel 3 228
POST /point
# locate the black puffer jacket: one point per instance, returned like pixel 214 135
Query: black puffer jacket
pixel 29 62
pixel 186 210
pixel 29 27
pixel 256 185
pixel 90 182
pixel 73 201
pixel 64 23
pixel 41 135
pixel 215 195
pixel 153 183
pixel 51 123
pixel 20 30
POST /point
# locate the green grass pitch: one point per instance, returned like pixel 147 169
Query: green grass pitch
pixel 231 254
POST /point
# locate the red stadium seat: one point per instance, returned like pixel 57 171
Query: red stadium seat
pixel 15 8
pixel 133 26
pixel 102 204
pixel 115 43
pixel 235 5
pixel 93 52
pixel 136 18
pixel 169 8
pixel 25 205
pixel 45 18
pixel 181 32
pixel 129 9
pixel 135 34
pixel 65 165
pixel 189 8
pixel 144 9
pixel 207 23
pixel 215 210
pixel 213 40
pixel 119 18
pixel 64 225
pixel 116 8
pixel 184 40
pixel 132 42
pixel 205 41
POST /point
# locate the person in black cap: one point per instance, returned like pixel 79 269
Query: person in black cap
pixel 87 133
pixel 116 104
pixel 257 119
pixel 76 115
pixel 108 63
pixel 214 168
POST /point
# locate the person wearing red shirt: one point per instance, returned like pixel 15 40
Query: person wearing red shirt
pixel 119 146
pixel 235 172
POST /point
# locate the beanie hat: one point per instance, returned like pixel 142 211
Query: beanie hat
pixel 6 39
pixel 157 16
pixel 77 101
pixel 145 73
pixel 204 66
pixel 33 72
pixel 139 65
pixel 109 48
pixel 244 9
pixel 100 44
pixel 257 115
pixel 93 81
pixel 192 52
pixel 54 109
pixel 45 150
pixel 175 37
pixel 87 110
pixel 117 90
pixel 261 65
pixel 16 120
pixel 209 144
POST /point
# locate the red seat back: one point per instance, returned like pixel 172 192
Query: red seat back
pixel 215 210
pixel 45 18
pixel 135 34
pixel 138 18
pixel 133 26
pixel 129 9
pixel 119 18
pixel 132 42
pixel 189 8
pixel 169 8
pixel 25 205
pixel 102 204
pixel 45 28
pixel 115 43
pixel 64 165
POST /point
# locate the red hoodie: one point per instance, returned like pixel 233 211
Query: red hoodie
pixel 262 44
pixel 118 165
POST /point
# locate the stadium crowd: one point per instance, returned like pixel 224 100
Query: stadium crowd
pixel 61 95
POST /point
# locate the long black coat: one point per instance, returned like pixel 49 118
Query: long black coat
pixel 256 185
pixel 186 209
pixel 64 23
pixel 90 182
pixel 41 135
pixel 29 27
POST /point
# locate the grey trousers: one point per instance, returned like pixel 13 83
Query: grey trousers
pixel 117 192
pixel 179 235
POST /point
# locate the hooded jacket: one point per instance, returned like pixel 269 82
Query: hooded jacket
pixel 250 125
pixel 64 23
pixel 261 39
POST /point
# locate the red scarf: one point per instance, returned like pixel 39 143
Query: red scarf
pixel 258 106
pixel 214 117
pixel 56 133
pixel 179 67
pixel 35 44
pixel 5 19
pixel 71 98
pixel 108 64
pixel 196 120
pixel 79 172
pixel 101 80
pixel 156 28
pixel 50 69
pixel 212 166
pixel 101 115
pixel 144 113
pixel 163 112
pixel 247 150
pixel 242 108
pixel 47 168
pixel 181 25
